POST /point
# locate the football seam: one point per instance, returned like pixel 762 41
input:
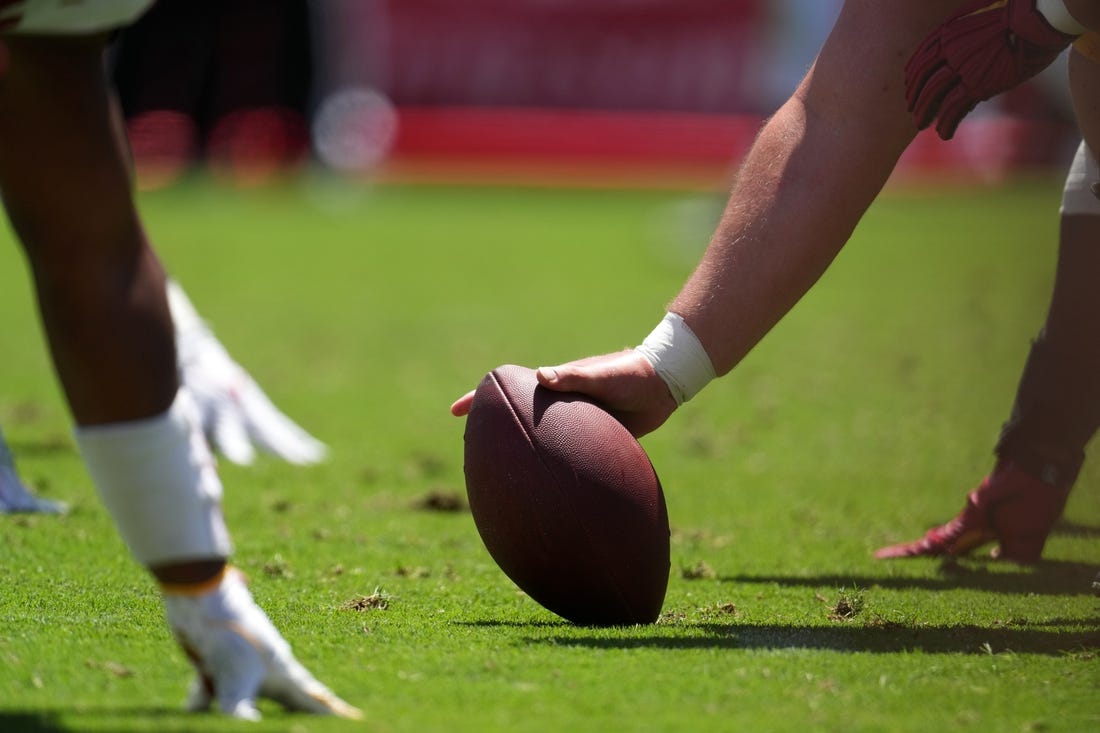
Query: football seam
pixel 516 418
pixel 609 577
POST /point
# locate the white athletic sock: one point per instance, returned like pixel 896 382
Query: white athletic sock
pixel 158 481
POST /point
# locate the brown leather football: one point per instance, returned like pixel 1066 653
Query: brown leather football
pixel 566 501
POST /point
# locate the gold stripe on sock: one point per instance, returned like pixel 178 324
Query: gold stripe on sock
pixel 195 589
pixel 1088 46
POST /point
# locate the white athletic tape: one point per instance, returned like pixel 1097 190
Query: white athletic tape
pixel 1078 198
pixel 1059 17
pixel 678 357
pixel 157 479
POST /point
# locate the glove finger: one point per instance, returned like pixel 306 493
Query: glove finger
pixel 956 106
pixel 916 548
pixel 921 66
pixel 230 435
pixel 274 432
pixel 199 696
pixel 243 709
pixel 938 86
pixel 305 694
pixel 236 672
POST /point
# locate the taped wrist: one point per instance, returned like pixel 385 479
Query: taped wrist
pixel 678 357
pixel 157 479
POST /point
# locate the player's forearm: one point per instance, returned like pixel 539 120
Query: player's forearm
pixel 817 166
pixel 788 217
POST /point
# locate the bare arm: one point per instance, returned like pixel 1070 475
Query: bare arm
pixel 816 167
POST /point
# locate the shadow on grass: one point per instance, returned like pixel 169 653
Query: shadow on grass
pixel 1049 577
pixel 18 722
pixel 884 639
pixel 496 623
pixel 1075 529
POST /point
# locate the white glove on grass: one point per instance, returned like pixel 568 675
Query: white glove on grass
pixel 240 656
pixel 237 416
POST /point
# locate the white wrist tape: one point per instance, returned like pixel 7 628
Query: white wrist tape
pixel 1058 16
pixel 157 479
pixel 1078 198
pixel 678 357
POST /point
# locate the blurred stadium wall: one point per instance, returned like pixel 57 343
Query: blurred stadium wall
pixel 596 92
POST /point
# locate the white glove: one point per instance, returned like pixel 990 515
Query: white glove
pixel 240 656
pixel 14 496
pixel 236 414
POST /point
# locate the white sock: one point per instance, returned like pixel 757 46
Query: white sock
pixel 157 479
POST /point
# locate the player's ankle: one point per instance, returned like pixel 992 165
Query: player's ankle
pixel 1039 467
pixel 191 577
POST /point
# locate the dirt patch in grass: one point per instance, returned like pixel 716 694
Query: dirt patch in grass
pixel 376 601
pixel 849 604
pixel 441 500
pixel 699 571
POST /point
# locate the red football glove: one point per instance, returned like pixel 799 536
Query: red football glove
pixel 1009 506
pixel 982 50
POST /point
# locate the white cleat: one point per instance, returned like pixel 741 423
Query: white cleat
pixel 240 656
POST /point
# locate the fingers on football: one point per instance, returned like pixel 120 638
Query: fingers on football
pixel 461 406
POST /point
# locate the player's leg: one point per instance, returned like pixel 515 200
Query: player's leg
pixel 67 192
pixel 1057 408
pixel 102 297
pixel 101 290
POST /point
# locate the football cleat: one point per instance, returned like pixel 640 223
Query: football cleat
pixel 240 656
pixel 15 497
pixel 1010 506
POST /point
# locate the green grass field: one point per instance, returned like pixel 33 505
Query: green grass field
pixel 861 420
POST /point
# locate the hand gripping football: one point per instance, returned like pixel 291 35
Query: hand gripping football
pixel 566 501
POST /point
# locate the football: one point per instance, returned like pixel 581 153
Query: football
pixel 566 501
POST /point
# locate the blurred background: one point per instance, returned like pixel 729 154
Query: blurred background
pixel 580 92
